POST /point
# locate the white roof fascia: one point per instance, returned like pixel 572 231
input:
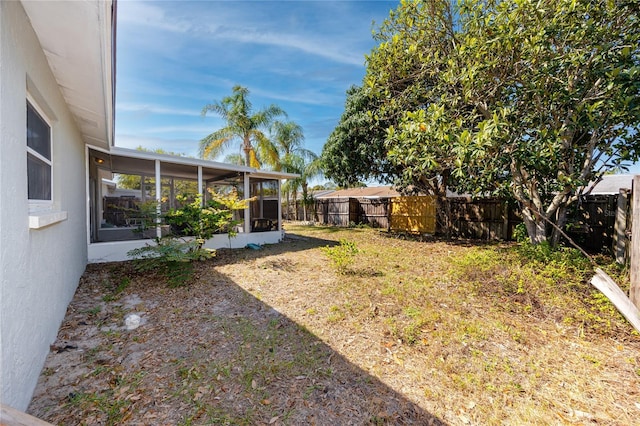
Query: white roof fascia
pixel 109 66
pixel 189 161
pixel 167 158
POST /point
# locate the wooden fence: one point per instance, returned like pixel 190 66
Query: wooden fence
pixel 374 212
pixel 410 214
pixel 337 211
pixel 413 214
pixel 483 219
pixel 591 222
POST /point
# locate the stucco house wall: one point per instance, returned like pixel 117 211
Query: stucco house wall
pixel 40 267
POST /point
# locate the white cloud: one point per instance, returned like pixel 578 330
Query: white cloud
pixel 310 45
pixel 150 15
pixel 308 96
pixel 201 131
pixel 332 45
pixel 155 109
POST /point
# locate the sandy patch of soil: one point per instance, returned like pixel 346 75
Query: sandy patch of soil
pixel 275 336
pixel 213 352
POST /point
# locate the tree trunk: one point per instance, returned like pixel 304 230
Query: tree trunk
pixel 246 147
pixel 561 220
pixel 536 226
pixel 295 205
pixel 247 156
pixel 304 201
pixel 287 195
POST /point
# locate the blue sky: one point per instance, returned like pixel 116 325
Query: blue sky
pixel 175 57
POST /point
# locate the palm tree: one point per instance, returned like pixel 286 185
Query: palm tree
pixel 310 170
pixel 237 159
pixel 242 124
pixel 287 138
pixel 307 169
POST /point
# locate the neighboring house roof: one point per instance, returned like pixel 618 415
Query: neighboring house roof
pixel 611 184
pixel 369 192
pixel 319 193
pixel 81 56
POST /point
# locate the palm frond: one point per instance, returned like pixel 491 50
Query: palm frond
pixel 267 150
pixel 212 145
pixel 237 159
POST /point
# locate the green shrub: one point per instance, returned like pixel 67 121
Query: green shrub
pixel 171 257
pixel 342 255
pixel 202 222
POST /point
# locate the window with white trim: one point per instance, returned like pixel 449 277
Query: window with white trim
pixel 39 171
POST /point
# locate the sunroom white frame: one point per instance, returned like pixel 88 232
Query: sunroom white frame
pixel 117 250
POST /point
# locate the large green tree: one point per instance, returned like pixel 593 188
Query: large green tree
pixel 533 99
pixel 244 125
pixel 355 150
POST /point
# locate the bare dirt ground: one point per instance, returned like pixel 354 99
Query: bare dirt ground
pixel 275 336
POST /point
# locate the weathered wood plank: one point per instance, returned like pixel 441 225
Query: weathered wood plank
pixel 609 288
pixel 620 227
pixel 634 291
pixel 12 417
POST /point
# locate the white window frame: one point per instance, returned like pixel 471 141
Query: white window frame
pixel 36 205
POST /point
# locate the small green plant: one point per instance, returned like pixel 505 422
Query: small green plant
pixel 203 221
pixel 122 286
pixel 342 255
pixel 173 255
pixel 336 314
pixel 520 233
pixel 93 311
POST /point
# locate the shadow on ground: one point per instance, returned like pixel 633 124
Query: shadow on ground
pixel 208 353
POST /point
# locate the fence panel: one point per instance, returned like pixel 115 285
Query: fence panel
pixel 591 222
pixel 337 211
pixel 414 214
pixel 374 212
pixel 485 219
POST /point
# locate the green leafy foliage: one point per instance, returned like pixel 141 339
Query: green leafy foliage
pixel 355 149
pixel 527 99
pixel 172 256
pixel 242 124
pixel 202 222
pixel 342 255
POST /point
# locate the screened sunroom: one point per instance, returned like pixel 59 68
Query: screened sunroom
pixel 127 188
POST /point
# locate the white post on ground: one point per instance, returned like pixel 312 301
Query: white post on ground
pixel 620 227
pixel 634 290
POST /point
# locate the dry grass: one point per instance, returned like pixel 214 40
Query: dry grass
pixel 404 332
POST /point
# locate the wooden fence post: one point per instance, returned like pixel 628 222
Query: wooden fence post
pixel 620 227
pixel 634 290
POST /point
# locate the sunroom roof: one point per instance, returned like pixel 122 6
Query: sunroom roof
pixel 123 160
